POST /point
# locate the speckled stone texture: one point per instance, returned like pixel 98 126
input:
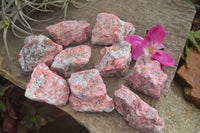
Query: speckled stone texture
pixel 110 30
pixel 147 77
pixel 47 87
pixel 70 32
pixel 88 92
pixel 71 60
pixel 180 116
pixel 138 113
pixel 38 49
pixel 115 60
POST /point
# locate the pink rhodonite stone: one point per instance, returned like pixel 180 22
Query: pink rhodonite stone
pixel 138 113
pixel 71 60
pixel 38 49
pixel 110 30
pixel 115 60
pixel 46 86
pixel 88 92
pixel 147 77
pixel 70 32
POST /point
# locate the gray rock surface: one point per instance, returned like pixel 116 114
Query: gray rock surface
pixel 115 60
pixel 147 77
pixel 70 32
pixel 110 30
pixel 71 60
pixel 139 114
pixel 46 86
pixel 37 49
pixel 88 92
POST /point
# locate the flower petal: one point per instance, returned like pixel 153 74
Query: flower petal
pixel 163 57
pixel 147 41
pixel 137 50
pixel 133 38
pixel 160 46
pixel 157 34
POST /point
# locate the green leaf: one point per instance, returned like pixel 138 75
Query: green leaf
pixel 26 124
pixel 16 3
pixel 194 42
pixel 65 5
pixel 30 111
pixel 40 119
pixel 5 30
pixel 37 127
pixel 76 4
pixel 37 7
pixel 2 106
pixel 35 20
pixel 27 25
pixel 15 34
pixel 196 35
pixel 2 25
pixel 33 119
pixel 187 52
pixel 189 1
pixel 3 14
pixel 2 90
pixel 9 4
pixel 20 29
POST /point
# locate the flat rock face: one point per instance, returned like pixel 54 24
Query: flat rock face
pixel 110 30
pixel 147 77
pixel 171 105
pixel 70 32
pixel 138 113
pixel 38 49
pixel 191 75
pixel 71 60
pixel 115 60
pixel 88 92
pixel 47 87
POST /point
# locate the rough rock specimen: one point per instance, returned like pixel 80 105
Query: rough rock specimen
pixel 71 60
pixel 46 86
pixel 70 32
pixel 88 92
pixel 138 113
pixel 191 76
pixel 115 60
pixel 147 77
pixel 110 30
pixel 38 49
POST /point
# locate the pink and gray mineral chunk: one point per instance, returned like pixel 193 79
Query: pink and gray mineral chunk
pixel 115 60
pixel 70 32
pixel 147 77
pixel 37 49
pixel 71 60
pixel 88 92
pixel 46 86
pixel 138 113
pixel 110 30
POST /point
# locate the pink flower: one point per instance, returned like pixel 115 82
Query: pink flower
pixel 151 44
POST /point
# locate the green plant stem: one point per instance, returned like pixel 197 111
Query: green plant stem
pixel 194 42
pixel 13 11
pixel 5 30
